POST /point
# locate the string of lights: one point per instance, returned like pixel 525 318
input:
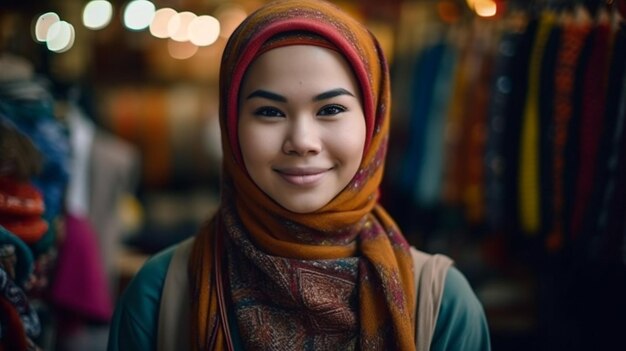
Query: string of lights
pixel 138 15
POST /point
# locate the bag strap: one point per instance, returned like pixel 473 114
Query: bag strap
pixel 430 273
pixel 174 305
pixel 174 309
pixel 221 298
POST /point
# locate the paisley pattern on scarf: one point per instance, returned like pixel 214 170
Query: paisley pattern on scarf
pixel 266 289
pixel 337 278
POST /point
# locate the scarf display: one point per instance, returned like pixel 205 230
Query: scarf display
pixel 14 302
pixel 26 105
pixel 34 169
pixel 337 278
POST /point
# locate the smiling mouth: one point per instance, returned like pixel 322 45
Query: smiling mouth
pixel 302 177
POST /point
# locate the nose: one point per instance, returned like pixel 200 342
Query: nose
pixel 302 137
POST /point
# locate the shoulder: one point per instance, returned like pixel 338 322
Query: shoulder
pixel 461 323
pixel 139 303
pixel 148 281
pixel 135 320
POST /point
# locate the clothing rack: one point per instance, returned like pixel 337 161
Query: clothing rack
pixel 532 147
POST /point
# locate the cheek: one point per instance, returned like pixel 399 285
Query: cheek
pixel 348 144
pixel 256 144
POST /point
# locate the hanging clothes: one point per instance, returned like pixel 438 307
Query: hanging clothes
pixel 529 171
pixel 425 75
pixel 605 217
pixel 454 124
pixel 81 284
pixel 568 58
pixel 429 180
pixel 475 125
pixel 500 121
pixel 592 120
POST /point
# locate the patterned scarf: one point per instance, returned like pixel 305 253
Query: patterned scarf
pixel 338 278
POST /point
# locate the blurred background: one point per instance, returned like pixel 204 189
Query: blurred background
pixel 507 152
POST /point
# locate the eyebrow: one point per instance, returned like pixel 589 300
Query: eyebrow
pixel 332 93
pixel 277 97
pixel 266 95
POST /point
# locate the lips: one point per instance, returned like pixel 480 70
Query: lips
pixel 302 176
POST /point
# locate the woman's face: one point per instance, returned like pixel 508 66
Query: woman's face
pixel 301 125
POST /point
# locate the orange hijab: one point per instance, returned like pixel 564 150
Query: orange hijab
pixel 341 272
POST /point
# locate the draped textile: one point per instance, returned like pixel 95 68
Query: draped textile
pixel 529 172
pixel 341 274
pixel 592 121
pixel 573 40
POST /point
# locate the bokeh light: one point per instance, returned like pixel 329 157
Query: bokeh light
pixel 43 25
pixel 204 30
pixel 178 26
pixel 485 8
pixel 97 14
pixel 60 37
pixel 138 14
pixel 159 25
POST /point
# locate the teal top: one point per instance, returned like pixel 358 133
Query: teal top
pixel 461 323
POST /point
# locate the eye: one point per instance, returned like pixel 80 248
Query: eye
pixel 267 111
pixel 331 110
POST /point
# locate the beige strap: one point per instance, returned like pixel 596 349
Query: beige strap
pixel 174 308
pixel 430 273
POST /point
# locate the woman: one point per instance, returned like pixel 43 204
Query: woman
pixel 300 255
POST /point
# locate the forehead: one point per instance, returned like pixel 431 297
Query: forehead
pixel 312 64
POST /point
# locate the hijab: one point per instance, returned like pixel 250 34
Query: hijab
pixel 336 278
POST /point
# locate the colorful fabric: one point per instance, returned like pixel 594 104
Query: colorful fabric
pixel 144 308
pixel 430 179
pixel 29 106
pixel 20 266
pixel 474 139
pixel 16 297
pixel 12 336
pixel 81 285
pixel 422 94
pixel 591 122
pixel 454 125
pixel 350 246
pixel 572 42
pixel 529 171
pixel 547 125
pixel 21 207
pixel 514 115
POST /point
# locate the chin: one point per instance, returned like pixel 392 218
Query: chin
pixel 302 206
pixel 302 209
